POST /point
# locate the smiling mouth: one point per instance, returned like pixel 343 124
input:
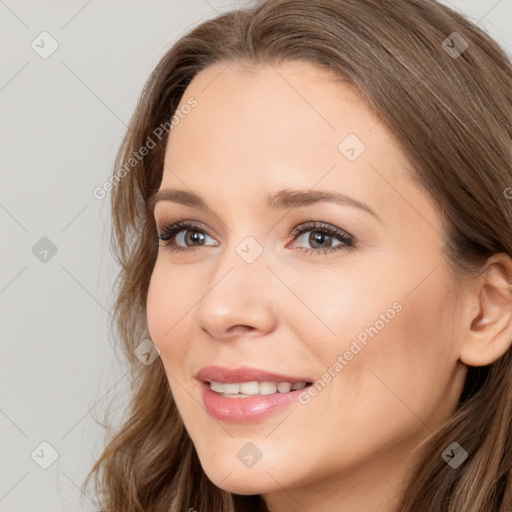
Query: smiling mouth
pixel 255 388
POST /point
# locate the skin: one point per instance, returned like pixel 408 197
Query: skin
pixel 255 131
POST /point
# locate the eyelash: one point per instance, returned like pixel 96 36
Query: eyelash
pixel 167 234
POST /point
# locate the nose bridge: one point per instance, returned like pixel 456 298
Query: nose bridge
pixel 241 269
pixel 247 255
pixel 240 290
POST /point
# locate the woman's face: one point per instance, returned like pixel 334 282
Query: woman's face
pixel 368 317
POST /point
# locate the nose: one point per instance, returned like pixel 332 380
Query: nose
pixel 240 299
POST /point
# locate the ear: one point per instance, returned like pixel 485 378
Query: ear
pixel 489 333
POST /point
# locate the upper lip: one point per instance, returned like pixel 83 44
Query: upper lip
pixel 243 374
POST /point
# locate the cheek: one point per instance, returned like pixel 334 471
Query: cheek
pixel 169 313
pixel 396 348
pixel 347 308
pixel 406 364
pixel 155 308
pixel 168 302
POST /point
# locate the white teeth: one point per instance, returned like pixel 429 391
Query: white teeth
pixel 284 387
pixel 267 387
pixel 250 388
pixel 246 389
pixel 217 386
pixel 231 388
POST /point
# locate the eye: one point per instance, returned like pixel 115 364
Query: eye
pixel 190 236
pixel 322 236
pixel 183 232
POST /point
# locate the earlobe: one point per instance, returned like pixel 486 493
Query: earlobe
pixel 489 335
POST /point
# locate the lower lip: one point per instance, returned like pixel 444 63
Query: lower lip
pixel 245 410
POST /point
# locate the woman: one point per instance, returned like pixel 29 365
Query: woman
pixel 318 241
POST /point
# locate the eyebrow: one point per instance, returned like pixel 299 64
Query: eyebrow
pixel 281 199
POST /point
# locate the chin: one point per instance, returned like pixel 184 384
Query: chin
pixel 238 479
pixel 246 484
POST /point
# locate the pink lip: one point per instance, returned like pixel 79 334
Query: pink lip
pixel 243 374
pixel 244 410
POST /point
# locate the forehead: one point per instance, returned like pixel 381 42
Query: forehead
pixel 263 128
pixel 280 106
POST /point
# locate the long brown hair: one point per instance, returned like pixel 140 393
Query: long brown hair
pixel 450 113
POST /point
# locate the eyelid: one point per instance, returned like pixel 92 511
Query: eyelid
pixel 166 219
pixel 320 225
pixel 165 223
pixel 347 241
pixel 183 225
pixel 298 229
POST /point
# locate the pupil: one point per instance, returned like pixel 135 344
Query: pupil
pixel 318 238
pixel 195 236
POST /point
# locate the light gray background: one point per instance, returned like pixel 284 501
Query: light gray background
pixel 62 120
